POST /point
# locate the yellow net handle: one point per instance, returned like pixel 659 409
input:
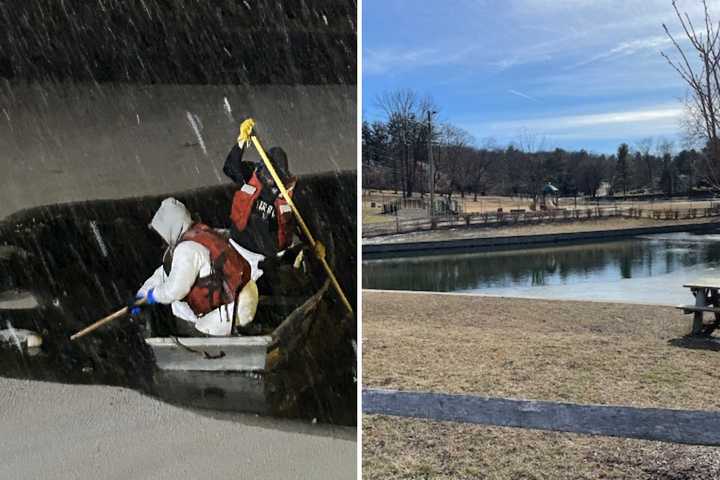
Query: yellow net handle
pixel 303 225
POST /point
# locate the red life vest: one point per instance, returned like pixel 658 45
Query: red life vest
pixel 230 271
pixel 245 198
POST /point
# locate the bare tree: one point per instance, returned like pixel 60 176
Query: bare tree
pixel 644 147
pixel 451 155
pixel 703 79
pixel 622 166
pixel 532 146
pixel 590 172
pixel 400 107
pixel 479 165
pixel 668 173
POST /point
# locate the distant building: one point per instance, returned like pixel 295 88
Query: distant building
pixel 604 190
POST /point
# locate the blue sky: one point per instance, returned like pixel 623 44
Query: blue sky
pixel 571 73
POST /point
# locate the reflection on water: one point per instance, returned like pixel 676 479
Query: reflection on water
pixel 647 269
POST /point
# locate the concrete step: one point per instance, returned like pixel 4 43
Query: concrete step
pixel 237 354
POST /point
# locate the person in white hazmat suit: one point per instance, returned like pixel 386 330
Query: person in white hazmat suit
pixel 203 277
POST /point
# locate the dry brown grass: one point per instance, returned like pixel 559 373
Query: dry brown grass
pixel 398 448
pixel 373 214
pixel 491 203
pixel 582 352
pixel 585 352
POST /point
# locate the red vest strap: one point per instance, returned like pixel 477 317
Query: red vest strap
pixel 284 215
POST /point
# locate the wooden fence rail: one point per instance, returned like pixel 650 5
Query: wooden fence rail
pixel 515 217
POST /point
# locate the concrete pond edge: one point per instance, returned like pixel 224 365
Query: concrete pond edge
pixel 378 250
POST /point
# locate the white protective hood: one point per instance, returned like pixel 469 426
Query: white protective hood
pixel 171 220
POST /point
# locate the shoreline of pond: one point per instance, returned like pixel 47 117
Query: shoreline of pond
pixel 372 251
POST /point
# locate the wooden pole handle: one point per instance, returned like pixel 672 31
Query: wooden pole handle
pixel 123 311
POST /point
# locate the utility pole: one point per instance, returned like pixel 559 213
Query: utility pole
pixel 431 186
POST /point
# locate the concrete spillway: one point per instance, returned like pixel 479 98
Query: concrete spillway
pixel 67 142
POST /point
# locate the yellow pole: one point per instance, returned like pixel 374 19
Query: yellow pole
pixel 303 226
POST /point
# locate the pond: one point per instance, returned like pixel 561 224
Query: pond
pixel 649 269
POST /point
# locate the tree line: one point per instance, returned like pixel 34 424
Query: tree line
pixel 395 156
pixel 396 160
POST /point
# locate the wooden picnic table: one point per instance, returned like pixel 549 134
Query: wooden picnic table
pixel 707 300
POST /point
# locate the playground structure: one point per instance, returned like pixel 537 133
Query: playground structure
pixel 548 199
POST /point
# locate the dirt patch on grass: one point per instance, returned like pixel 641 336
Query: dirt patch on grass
pixel 586 352
pixel 398 448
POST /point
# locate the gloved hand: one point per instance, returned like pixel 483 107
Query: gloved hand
pixel 135 308
pixel 246 128
pixel 150 297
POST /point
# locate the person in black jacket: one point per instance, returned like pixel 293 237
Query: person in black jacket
pixel 262 221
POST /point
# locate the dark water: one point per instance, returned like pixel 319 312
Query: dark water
pixel 649 269
pixel 64 266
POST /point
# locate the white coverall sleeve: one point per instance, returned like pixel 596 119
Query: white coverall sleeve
pixel 153 281
pixel 186 264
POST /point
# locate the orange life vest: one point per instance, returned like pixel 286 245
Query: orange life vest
pixel 245 198
pixel 230 271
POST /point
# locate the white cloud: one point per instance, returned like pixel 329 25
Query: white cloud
pixel 626 49
pixel 377 61
pixel 383 60
pixel 662 119
pixel 575 121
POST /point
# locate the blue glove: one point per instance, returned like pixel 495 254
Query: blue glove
pixel 134 309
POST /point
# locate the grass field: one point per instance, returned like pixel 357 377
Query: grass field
pixel 399 448
pixel 582 352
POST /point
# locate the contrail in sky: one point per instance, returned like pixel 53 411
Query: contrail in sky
pixel 520 94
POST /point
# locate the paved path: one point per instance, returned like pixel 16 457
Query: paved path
pixel 679 426
pixel 51 430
